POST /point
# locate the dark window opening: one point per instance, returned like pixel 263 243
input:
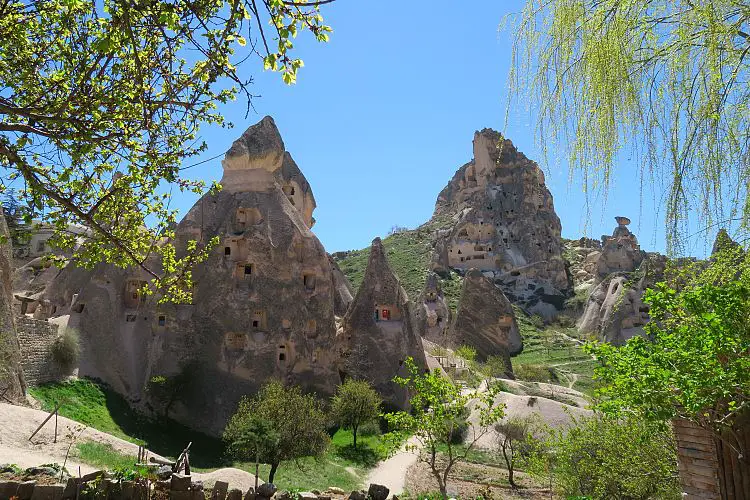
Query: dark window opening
pixel 282 356
pixel 130 318
pixel 162 320
pixel 291 192
pixel 248 269
pixel 227 251
pixel 78 308
pixel 256 323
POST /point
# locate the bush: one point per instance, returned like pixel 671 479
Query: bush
pixel 535 373
pixel 65 350
pixel 602 457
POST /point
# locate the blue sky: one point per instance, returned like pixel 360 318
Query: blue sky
pixel 384 114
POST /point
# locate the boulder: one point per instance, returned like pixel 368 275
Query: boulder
pixel 266 490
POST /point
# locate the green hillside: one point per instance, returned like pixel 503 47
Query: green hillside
pixel 409 255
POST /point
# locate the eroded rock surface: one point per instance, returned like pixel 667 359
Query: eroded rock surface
pixel 378 334
pixel 12 384
pixel 615 310
pixel 263 307
pixel 505 225
pixel 485 320
pixel 432 316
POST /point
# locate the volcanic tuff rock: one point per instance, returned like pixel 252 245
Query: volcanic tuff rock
pixel 378 334
pixel 504 225
pixel 485 320
pixel 263 306
pixel 620 252
pixel 615 311
pixel 432 316
pixel 12 383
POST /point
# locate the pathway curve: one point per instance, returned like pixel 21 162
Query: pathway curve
pixel 392 471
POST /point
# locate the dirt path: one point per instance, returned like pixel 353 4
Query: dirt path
pixel 17 423
pixel 392 471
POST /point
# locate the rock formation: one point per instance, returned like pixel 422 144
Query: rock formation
pixel 620 252
pixel 432 316
pixel 614 311
pixel 485 320
pixel 12 384
pixel 505 225
pixel 378 334
pixel 343 292
pixel 264 301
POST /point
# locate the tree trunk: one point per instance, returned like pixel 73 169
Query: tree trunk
pixel 274 466
pixel 354 432
pixel 509 464
pixel 257 460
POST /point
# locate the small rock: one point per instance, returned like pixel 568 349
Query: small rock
pixel 378 492
pixel 266 490
pixel 234 494
pixel 358 495
pixel 220 490
pixel 180 482
pixel 336 490
pixel 282 495
pixel 164 472
pixel 196 486
pixel 307 495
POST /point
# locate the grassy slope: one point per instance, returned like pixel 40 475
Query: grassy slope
pixel 409 254
pixel 102 409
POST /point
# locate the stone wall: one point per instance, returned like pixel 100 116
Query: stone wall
pixel 36 338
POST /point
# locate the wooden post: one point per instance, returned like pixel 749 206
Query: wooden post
pixel 45 420
pixel 55 426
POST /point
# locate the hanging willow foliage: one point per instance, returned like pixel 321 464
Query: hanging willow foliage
pixel 667 78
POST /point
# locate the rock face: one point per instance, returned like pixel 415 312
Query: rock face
pixel 378 334
pixel 620 252
pixel 505 225
pixel 343 292
pixel 614 311
pixel 12 383
pixel 485 320
pixel 264 301
pixel 432 316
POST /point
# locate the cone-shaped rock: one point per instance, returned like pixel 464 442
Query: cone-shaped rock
pixel 263 304
pixel 12 384
pixel 343 292
pixel 485 320
pixel 378 334
pixel 432 316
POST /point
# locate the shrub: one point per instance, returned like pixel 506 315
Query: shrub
pixel 603 457
pixel 65 350
pixel 535 373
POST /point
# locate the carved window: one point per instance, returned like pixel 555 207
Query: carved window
pixel 78 308
pixel 258 320
pixel 162 320
pixel 309 281
pixel 227 250
pixel 130 318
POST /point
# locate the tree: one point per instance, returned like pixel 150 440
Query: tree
pixel 693 364
pixel 296 419
pixel 168 389
pixel 516 441
pixel 250 438
pixel 603 457
pixel 666 78
pixel 354 404
pixel 438 409
pixel 17 218
pixel 101 102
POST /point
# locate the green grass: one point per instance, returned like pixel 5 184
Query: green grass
pixel 98 407
pixel 409 254
pixel 103 456
pixel 549 348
